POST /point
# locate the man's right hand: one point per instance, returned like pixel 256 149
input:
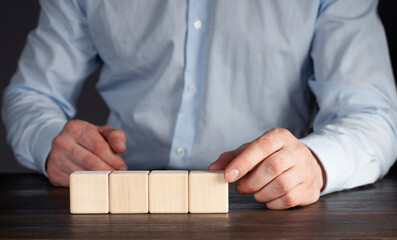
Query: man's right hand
pixel 84 146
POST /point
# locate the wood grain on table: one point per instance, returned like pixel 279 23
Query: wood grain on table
pixel 31 208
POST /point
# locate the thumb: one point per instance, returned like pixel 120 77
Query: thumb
pixel 115 138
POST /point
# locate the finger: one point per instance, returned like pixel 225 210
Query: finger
pixel 301 195
pixel 96 144
pixel 225 158
pixel 115 137
pixel 87 160
pixel 259 149
pixel 68 166
pixel 279 186
pixel 59 179
pixel 266 171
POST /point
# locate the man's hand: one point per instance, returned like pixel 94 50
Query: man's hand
pixel 277 168
pixel 83 146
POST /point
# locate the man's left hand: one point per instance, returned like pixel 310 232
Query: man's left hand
pixel 277 168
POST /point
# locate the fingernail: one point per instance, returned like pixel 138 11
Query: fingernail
pixel 122 168
pixel 121 143
pixel 232 175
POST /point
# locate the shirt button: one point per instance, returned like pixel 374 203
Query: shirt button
pixel 192 88
pixel 197 24
pixel 180 151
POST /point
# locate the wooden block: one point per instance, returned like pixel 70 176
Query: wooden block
pixel 89 192
pixel 208 192
pixel 168 192
pixel 128 191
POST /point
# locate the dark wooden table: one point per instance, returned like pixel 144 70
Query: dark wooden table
pixel 31 208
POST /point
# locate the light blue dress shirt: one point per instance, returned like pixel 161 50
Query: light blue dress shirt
pixel 188 80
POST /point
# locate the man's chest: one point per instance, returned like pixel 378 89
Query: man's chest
pixel 134 35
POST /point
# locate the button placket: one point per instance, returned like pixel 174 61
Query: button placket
pixel 186 122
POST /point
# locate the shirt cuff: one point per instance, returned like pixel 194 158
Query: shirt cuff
pixel 331 155
pixel 43 141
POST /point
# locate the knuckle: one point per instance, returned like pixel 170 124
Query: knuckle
pixel 258 197
pixel 60 142
pixel 274 165
pixel 289 200
pixel 89 162
pixel 283 184
pixel 276 130
pixel 263 143
pixel 72 125
pixel 76 153
pixel 281 132
pixel 89 134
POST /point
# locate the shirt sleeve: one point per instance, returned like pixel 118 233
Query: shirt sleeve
pixel 42 95
pixel 354 132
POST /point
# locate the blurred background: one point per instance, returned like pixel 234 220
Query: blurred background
pixel 19 17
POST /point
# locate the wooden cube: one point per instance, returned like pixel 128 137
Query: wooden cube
pixel 89 192
pixel 168 192
pixel 208 192
pixel 128 191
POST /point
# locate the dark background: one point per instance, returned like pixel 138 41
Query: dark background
pixel 19 17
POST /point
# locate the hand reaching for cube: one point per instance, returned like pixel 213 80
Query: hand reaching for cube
pixel 276 168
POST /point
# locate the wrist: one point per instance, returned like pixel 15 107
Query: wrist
pixel 321 177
